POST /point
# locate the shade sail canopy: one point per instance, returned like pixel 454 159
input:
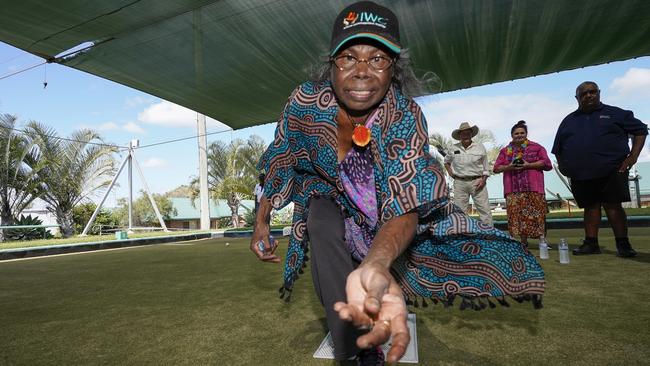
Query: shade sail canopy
pixel 238 60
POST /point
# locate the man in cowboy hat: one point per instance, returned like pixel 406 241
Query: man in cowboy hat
pixel 467 164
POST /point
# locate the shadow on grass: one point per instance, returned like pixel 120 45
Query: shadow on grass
pixel 430 347
pixel 521 316
pixel 312 330
pixel 640 257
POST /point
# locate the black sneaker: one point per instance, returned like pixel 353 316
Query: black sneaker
pixel 624 250
pixel 371 357
pixel 587 248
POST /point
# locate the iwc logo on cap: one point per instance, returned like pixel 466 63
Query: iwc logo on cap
pixel 364 18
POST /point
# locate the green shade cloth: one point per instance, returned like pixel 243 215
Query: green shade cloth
pixel 238 60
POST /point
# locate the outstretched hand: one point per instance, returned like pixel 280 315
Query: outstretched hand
pixel 376 302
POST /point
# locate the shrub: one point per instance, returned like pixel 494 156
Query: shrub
pixel 82 213
pixel 27 234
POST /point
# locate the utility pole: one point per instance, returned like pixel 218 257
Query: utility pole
pixel 197 28
pixel 203 173
pixel 134 144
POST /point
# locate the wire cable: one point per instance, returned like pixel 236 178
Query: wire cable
pixel 58 59
pixel 123 148
pixel 23 54
pixel 23 70
pixel 68 139
pixel 184 138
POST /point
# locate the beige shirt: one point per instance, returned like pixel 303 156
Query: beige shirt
pixel 468 162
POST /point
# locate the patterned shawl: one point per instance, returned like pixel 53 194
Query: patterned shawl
pixel 301 162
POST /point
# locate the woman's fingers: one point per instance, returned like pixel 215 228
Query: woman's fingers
pixel 400 341
pixel 378 335
pixel 353 314
pixel 382 331
pixel 264 251
pixel 270 258
pixel 274 246
pixel 256 249
pixel 376 283
pixel 372 305
pixel 373 294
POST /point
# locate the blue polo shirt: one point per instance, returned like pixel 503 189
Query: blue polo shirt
pixel 593 145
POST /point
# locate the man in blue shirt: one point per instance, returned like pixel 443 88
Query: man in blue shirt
pixel 591 147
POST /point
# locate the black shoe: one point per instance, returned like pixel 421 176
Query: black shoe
pixel 587 248
pixel 371 357
pixel 625 250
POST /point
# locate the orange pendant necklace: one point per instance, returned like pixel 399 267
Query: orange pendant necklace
pixel 361 134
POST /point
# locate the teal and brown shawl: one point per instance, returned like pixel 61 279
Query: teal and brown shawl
pixel 452 254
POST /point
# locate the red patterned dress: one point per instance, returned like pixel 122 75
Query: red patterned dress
pixel 524 189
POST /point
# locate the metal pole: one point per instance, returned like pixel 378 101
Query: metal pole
pixel 634 176
pixel 637 191
pixel 130 190
pixel 92 218
pixel 203 141
pixel 203 174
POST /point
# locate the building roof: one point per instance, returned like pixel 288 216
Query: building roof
pixel 494 185
pixel 186 211
pixel 553 183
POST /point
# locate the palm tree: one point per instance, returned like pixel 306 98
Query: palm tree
pixel 443 146
pixel 486 137
pixel 250 155
pixel 232 172
pixel 77 168
pixel 441 143
pixel 565 180
pixel 19 184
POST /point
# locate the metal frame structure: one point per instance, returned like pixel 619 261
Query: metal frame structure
pixel 130 159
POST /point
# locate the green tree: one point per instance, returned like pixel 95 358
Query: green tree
pixel 19 167
pixel 486 137
pixel 75 169
pixel 232 172
pixel 82 213
pixel 182 191
pixel 143 212
pixel 441 143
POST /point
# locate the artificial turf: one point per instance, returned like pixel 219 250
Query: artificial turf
pixel 202 302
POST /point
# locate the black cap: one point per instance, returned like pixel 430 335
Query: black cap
pixel 366 19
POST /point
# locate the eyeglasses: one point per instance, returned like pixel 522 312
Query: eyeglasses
pixel 348 62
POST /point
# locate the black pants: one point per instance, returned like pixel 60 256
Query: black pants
pixel 330 265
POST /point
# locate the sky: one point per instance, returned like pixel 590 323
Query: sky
pixel 73 100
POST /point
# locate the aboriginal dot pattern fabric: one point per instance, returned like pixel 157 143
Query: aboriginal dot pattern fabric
pixel 451 256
